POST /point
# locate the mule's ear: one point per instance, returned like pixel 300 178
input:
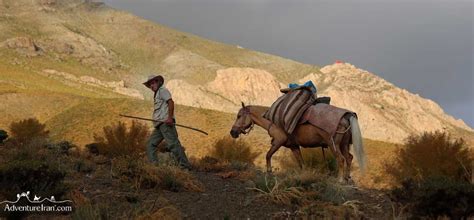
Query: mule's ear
pixel 243 105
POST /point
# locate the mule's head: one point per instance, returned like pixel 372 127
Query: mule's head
pixel 242 123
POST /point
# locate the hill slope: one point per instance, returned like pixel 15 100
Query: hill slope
pixel 59 58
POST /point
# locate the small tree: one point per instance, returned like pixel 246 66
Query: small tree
pixel 431 154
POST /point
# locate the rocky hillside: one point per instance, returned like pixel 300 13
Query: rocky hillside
pixel 56 54
pixel 386 112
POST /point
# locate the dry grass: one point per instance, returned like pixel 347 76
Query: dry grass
pixel 300 188
pixel 313 195
pixel 209 164
pixel 142 175
pixel 230 150
pixel 277 191
pixel 118 140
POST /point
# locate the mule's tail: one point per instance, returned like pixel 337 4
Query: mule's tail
pixel 357 143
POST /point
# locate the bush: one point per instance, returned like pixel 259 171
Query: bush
pixel 31 175
pixel 278 192
pixel 119 140
pixel 30 169
pixel 3 136
pixel 302 187
pixel 431 154
pixel 27 130
pixel 437 197
pixel 230 150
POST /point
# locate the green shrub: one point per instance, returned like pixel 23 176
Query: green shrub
pixel 431 154
pixel 230 150
pixel 27 130
pixel 118 140
pixel 437 197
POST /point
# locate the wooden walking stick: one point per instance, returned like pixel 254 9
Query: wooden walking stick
pixel 179 125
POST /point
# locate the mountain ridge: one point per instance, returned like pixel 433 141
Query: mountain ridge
pixel 81 49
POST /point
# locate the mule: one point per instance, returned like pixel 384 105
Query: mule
pixel 307 136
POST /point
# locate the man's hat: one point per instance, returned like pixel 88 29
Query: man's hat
pixel 152 78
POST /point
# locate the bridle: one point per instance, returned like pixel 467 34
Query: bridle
pixel 240 127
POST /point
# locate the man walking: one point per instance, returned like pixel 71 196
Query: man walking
pixel 165 129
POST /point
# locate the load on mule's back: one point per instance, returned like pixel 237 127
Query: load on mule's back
pixel 297 119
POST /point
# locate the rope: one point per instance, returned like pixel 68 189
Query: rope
pixel 343 132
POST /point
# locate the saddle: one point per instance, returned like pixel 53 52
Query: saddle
pixel 287 110
pixel 324 99
pixel 325 117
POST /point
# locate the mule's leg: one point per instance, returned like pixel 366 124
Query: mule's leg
pixel 279 138
pixel 345 149
pixel 341 162
pixel 270 153
pixel 299 158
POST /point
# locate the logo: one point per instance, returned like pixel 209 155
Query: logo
pixel 24 203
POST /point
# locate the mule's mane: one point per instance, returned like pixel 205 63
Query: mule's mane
pixel 258 109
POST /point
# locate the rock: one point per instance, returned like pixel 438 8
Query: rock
pixel 23 45
pixel 226 92
pixel 116 86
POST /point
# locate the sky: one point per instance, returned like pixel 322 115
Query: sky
pixel 423 46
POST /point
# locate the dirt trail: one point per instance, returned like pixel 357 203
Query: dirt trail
pixel 223 198
pixel 231 198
